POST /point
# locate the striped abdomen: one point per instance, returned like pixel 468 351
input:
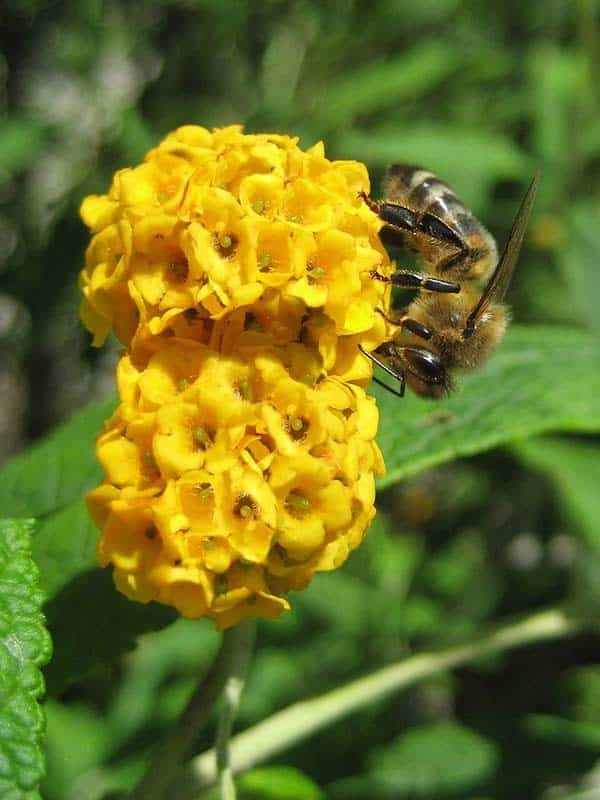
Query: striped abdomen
pixel 424 193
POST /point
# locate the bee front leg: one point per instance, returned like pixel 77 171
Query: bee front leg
pixel 414 280
pixel 408 324
pixel 399 376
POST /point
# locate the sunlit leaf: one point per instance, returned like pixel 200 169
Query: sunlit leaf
pixel 57 470
pixel 541 379
pixel 277 783
pixel 24 648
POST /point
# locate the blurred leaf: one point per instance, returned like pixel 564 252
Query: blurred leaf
pixel 24 647
pixel 21 140
pixel 580 691
pixel 449 571
pixel 471 161
pixel 579 258
pixel 389 82
pixel 58 469
pixel 77 741
pixel 439 759
pixel 136 136
pixel 573 466
pixel 92 625
pixel 277 677
pixel 554 74
pixel 420 617
pixel 556 730
pixel 393 561
pixel 541 379
pixel 277 783
pixel 186 647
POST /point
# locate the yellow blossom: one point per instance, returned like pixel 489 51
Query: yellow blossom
pixel 235 269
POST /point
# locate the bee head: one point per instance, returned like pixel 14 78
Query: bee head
pixel 425 372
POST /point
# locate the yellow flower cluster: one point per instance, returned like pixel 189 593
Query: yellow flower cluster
pixel 235 270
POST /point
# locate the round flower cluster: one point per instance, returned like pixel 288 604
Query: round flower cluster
pixel 235 269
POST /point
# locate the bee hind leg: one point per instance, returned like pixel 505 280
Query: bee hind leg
pixel 461 261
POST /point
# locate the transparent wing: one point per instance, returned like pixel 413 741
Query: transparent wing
pixel 501 277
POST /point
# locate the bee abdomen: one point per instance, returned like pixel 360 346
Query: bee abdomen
pixel 424 192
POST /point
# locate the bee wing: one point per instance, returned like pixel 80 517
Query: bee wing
pixel 501 277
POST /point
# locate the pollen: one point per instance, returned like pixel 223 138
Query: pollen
pixel 202 437
pixel 240 262
pixel 265 262
pixel 297 502
pixel 204 491
pixel 245 391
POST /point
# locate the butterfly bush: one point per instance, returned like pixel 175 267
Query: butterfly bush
pixel 234 268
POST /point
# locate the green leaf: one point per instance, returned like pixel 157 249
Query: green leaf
pixel 556 730
pixel 20 142
pixel 92 625
pixel 277 783
pixel 471 161
pixel 578 257
pixel 64 546
pixel 181 652
pixel 574 469
pixel 580 694
pixel 91 622
pixel 541 379
pixel 77 741
pixel 389 82
pixel 442 758
pixel 56 471
pixel 24 647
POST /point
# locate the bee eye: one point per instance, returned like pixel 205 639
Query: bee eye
pixel 425 365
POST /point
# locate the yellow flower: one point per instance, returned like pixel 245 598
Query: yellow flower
pixel 235 268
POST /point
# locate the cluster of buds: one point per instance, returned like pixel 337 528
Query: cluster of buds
pixel 235 270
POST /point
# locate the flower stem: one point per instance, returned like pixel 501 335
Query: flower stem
pixel 167 758
pixel 232 692
pixel 301 720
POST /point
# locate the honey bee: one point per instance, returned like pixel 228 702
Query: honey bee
pixel 453 323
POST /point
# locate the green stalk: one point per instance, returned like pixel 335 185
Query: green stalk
pixel 230 702
pixel 168 756
pixel 299 721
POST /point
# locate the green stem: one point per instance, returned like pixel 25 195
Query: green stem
pixel 299 721
pixel 167 758
pixel 232 692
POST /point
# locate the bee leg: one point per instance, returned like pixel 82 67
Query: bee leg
pixel 414 280
pixel 433 226
pixel 406 219
pixel 395 237
pixel 395 215
pixel 399 376
pixel 455 259
pixel 409 324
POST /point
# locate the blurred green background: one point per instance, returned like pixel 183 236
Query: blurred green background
pixel 482 93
